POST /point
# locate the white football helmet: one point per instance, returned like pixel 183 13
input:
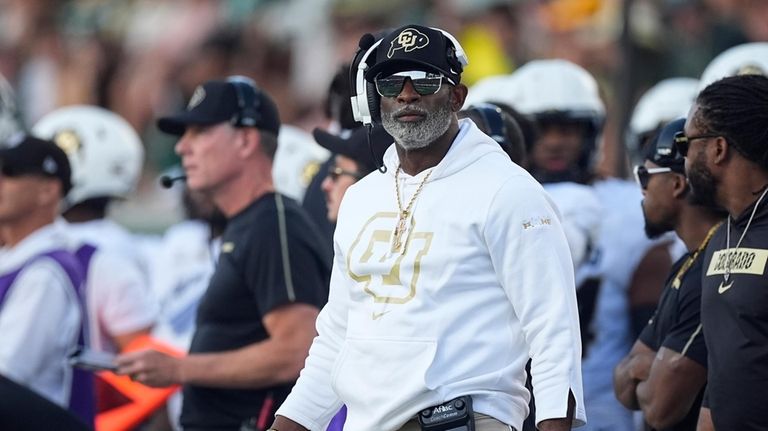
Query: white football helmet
pixel 555 86
pixel 487 90
pixel 105 151
pixel 748 58
pixel 667 100
pixel 297 160
pixel 558 91
pixel 9 118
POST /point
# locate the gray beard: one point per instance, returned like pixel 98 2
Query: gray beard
pixel 412 136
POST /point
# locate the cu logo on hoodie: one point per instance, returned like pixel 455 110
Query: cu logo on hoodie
pixel 408 40
pixel 387 277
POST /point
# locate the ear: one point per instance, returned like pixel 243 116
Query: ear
pixel 721 150
pixel 679 186
pixel 459 93
pixel 249 142
pixel 49 191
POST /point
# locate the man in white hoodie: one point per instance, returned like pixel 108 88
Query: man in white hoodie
pixel 451 269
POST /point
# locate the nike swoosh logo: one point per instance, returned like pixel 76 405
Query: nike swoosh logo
pixel 722 288
pixel 377 316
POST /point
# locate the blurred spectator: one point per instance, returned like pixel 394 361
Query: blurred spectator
pixel 40 314
pixel 354 157
pixel 106 156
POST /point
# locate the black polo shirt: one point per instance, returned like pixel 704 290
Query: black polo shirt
pixel 271 255
pixel 735 318
pixel 676 325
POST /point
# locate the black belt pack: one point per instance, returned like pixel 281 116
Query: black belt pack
pixel 453 415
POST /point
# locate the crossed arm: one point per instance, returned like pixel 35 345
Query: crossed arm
pixel 275 360
pixel 662 384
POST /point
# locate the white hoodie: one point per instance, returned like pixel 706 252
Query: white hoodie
pixel 485 281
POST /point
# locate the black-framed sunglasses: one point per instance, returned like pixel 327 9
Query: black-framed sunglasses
pixel 643 174
pixel 335 172
pixel 425 83
pixel 683 143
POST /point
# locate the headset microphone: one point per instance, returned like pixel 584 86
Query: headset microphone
pixel 167 181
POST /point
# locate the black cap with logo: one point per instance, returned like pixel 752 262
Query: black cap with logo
pixel 663 152
pixel 415 47
pixel 236 100
pixel 368 158
pixel 27 155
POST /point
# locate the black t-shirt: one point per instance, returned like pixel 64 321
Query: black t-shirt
pixel 676 325
pixel 735 318
pixel 252 279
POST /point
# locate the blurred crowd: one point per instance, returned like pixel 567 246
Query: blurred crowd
pixel 142 58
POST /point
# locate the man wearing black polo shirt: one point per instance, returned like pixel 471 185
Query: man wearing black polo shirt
pixel 665 372
pixel 726 148
pixel 255 322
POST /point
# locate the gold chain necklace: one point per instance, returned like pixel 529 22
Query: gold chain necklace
pixel 397 236
pixel 687 265
pixel 732 255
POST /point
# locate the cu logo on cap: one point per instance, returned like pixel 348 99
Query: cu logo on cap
pixel 408 40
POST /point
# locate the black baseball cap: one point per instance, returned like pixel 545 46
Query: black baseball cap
pixel 218 101
pixel 356 146
pixel 27 155
pixel 415 47
pixel 662 150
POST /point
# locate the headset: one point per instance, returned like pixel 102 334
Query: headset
pixel 248 102
pixel 365 99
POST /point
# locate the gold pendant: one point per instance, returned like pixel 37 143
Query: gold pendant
pixel 397 235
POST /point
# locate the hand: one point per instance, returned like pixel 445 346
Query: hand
pixel 151 368
pixel 555 425
pixel 282 423
pixel 640 365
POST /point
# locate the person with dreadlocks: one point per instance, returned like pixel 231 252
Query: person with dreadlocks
pixel 725 143
pixel 665 372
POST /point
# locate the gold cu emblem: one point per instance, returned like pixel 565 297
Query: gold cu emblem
pixel 751 69
pixel 408 40
pixel 68 141
pixel 390 278
pixel 308 173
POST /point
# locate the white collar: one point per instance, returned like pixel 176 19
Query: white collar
pixel 48 237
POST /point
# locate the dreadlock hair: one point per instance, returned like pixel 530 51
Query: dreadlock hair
pixel 736 107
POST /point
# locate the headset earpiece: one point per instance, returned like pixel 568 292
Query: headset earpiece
pixel 247 102
pixel 364 93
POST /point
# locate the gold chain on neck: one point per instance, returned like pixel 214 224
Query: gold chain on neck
pixel 687 265
pixel 404 213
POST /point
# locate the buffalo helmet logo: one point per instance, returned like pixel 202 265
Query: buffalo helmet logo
pixel 68 140
pixel 750 69
pixel 408 40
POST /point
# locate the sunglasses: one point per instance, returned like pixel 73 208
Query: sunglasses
pixel 682 142
pixel 334 173
pixel 643 174
pixel 425 83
